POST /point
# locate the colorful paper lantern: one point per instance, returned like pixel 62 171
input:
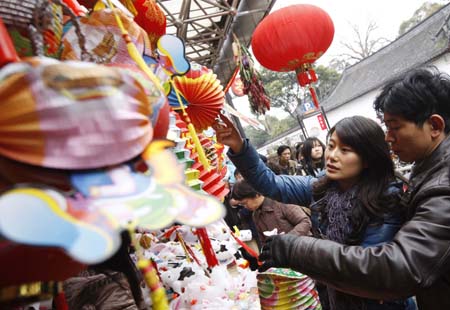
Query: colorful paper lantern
pixel 72 115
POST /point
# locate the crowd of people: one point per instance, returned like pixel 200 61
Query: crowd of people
pixel 336 212
pixel 377 243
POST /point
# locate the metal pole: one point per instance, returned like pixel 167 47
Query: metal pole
pixel 325 117
pixel 235 119
pixel 301 124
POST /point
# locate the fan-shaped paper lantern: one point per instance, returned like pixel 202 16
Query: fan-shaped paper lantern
pixel 205 98
pixel 293 38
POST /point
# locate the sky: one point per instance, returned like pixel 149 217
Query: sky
pixel 387 14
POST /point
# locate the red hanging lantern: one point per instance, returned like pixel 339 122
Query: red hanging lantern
pixel 293 38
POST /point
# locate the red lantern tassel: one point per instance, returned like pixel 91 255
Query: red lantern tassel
pixel 313 75
pixel 302 78
pixel 7 50
pixel 231 80
pixel 211 258
pixel 314 96
pixel 246 247
pixel 60 302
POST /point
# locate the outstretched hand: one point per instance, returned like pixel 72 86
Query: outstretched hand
pixel 276 252
pixel 228 134
pixel 266 256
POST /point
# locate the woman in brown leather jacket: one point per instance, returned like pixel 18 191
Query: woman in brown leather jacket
pixel 269 214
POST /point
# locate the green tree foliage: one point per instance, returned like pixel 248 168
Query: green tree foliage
pixel 328 79
pixel 419 15
pixel 282 89
pixel 277 128
pixel 257 137
pixel 285 92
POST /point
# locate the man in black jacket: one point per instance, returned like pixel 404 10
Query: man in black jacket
pixel 416 110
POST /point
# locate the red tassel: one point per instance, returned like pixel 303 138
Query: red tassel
pixel 211 258
pixel 302 78
pixel 313 75
pixel 60 301
pixel 314 97
pixel 7 50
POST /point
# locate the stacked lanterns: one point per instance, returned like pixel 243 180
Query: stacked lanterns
pixel 287 289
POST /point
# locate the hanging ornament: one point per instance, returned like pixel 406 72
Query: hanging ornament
pixel 293 38
pixel 203 95
pixel 251 80
pixel 151 18
pixel 171 57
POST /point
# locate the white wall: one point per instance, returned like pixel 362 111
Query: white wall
pixel 363 105
pixel 360 106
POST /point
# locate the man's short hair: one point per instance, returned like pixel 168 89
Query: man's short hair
pixel 416 95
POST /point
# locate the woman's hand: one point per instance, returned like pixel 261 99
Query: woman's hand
pixel 227 134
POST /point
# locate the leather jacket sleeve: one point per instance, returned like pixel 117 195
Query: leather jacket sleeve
pixel 298 218
pixel 283 188
pixel 416 257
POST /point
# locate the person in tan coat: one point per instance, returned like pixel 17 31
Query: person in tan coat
pixel 269 214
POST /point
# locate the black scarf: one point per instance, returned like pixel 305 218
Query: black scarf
pixel 338 207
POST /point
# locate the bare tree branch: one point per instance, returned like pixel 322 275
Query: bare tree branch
pixel 364 44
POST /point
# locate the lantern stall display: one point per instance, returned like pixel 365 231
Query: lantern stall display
pixel 293 38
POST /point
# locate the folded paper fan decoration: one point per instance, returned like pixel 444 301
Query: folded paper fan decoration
pixel 172 57
pixel 204 96
pixel 71 115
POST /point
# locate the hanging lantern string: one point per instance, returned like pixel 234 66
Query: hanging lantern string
pixel 306 76
pixel 184 246
pixel 157 291
pixel 230 82
pixel 189 252
pixel 133 52
pixel 207 248
pixel 198 147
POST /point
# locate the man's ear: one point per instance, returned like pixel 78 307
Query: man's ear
pixel 437 125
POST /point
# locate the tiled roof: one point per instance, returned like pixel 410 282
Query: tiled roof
pixel 416 47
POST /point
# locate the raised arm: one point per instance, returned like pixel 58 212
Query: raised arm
pixel 284 188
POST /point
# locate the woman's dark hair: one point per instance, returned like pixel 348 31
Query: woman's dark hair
pixel 298 150
pixel 308 162
pixel 242 189
pixel 417 95
pixel 122 262
pixel 282 148
pixel 366 138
